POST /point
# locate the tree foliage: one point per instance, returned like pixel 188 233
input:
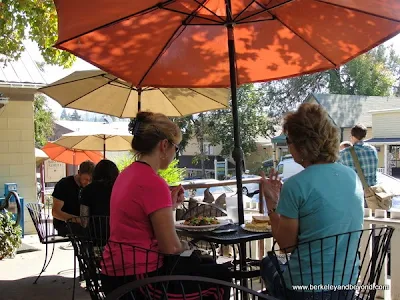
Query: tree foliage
pixel 75 116
pixel 253 122
pixel 35 20
pixel 172 175
pixel 43 121
pixel 371 74
pixel 375 73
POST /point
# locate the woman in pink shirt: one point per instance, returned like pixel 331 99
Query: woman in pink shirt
pixel 141 211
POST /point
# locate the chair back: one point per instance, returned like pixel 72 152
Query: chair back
pixel 169 287
pixel 200 209
pixel 101 258
pixel 344 262
pixel 42 225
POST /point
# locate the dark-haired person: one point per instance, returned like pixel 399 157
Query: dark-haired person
pixel 66 196
pixel 141 211
pixel 324 199
pixel 95 197
pixel 366 153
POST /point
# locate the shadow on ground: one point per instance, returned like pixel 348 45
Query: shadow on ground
pixel 48 287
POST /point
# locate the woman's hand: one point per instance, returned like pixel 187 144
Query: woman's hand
pixel 271 188
pixel 177 194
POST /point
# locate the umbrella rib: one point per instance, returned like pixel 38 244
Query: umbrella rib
pixel 266 9
pixel 219 17
pixel 168 43
pixel 248 5
pixel 126 102
pixel 255 21
pixel 72 81
pixel 304 40
pixel 207 97
pixel 91 91
pixel 164 48
pixel 171 102
pixel 358 10
pixel 192 15
pixel 144 11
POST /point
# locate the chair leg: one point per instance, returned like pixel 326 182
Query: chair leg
pixel 74 284
pixel 44 265
pixel 51 256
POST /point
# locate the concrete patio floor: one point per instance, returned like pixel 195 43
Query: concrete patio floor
pixel 18 274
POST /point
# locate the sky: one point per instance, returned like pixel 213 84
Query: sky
pixel 53 73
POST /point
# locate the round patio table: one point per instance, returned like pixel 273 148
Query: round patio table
pixel 242 268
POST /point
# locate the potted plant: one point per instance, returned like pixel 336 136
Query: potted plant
pixel 10 235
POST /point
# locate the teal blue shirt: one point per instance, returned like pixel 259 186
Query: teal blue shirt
pixel 327 199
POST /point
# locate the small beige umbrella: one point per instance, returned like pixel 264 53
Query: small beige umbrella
pixel 103 140
pixel 101 92
pixel 40 157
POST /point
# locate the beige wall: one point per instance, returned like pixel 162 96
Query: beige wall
pixel 193 148
pixel 17 147
pixel 255 159
pixel 386 125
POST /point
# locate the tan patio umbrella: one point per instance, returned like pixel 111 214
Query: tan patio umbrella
pixel 103 140
pixel 101 92
pixel 40 157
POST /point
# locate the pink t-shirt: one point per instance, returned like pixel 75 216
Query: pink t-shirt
pixel 137 192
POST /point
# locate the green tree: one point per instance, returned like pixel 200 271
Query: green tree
pixel 375 73
pixel 371 74
pixel 75 116
pixel 43 121
pixel 253 122
pixel 64 115
pixel 35 20
pixel 172 175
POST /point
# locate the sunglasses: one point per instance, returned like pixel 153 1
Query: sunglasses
pixel 176 146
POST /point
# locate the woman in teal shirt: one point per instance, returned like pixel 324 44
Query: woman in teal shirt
pixel 324 199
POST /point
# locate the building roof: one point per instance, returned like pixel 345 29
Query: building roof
pixel 24 72
pixel 93 126
pixel 380 141
pixel 186 161
pixel 348 110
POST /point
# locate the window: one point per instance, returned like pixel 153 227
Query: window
pixel 208 149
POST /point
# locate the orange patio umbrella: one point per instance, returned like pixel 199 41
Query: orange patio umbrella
pixel 220 43
pixel 70 156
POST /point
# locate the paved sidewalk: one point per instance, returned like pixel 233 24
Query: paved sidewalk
pixel 18 274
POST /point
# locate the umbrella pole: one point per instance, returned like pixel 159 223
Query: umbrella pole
pixel 104 147
pixel 74 162
pixel 139 103
pixel 237 151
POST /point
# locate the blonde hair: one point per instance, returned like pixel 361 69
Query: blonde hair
pixel 312 133
pixel 150 128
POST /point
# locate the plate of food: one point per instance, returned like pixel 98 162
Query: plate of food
pixel 201 223
pixel 258 224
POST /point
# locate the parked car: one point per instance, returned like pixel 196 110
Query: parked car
pixel 216 191
pixel 288 167
pixel 249 189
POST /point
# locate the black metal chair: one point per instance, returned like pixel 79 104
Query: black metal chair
pixel 46 233
pixel 172 287
pixel 346 261
pixel 120 265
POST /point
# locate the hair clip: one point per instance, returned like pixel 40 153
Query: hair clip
pixel 136 127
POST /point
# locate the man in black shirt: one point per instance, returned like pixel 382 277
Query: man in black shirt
pixel 66 196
